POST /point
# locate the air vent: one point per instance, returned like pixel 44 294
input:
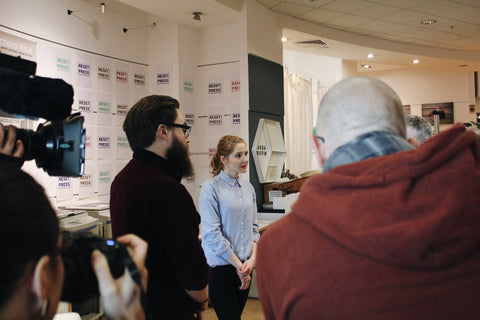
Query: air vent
pixel 312 44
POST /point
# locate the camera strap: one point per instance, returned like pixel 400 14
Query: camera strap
pixel 135 273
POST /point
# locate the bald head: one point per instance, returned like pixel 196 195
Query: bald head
pixel 355 106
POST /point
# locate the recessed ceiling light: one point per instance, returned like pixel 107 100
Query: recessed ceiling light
pixel 428 21
pixel 370 55
pixel 415 61
pixel 284 39
pixel 366 66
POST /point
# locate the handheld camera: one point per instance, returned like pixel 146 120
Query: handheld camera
pixel 58 145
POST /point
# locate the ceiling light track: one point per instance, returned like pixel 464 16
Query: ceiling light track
pixel 153 25
pixel 101 7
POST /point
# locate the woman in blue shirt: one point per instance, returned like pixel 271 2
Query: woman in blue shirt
pixel 229 228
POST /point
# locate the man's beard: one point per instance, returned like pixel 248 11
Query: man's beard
pixel 177 154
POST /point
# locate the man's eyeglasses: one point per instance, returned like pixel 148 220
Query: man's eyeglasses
pixel 315 134
pixel 186 129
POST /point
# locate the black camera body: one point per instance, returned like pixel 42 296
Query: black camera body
pixel 80 282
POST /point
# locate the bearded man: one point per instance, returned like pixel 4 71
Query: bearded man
pixel 148 199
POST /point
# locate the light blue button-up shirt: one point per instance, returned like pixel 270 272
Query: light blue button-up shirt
pixel 229 219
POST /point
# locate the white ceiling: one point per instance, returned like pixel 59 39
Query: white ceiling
pixel 390 29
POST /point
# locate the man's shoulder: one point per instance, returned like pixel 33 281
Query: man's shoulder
pixel 137 172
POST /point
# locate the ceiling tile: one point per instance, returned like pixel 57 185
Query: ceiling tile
pixel 417 19
pixel 461 13
pixel 321 15
pixel 433 36
pixel 348 20
pixel 472 3
pixel 427 43
pixel 376 25
pixel 358 30
pixel 346 6
pixel 467 44
pixel 466 29
pixel 473 19
pixel 385 36
pixel 437 7
pixel 405 16
pixel 375 11
pixel 269 3
pixel 453 26
pixel 406 4
pixel 407 30
pixel 291 9
pixel 314 4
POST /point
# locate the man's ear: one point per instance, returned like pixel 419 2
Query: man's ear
pixel 413 142
pixel 40 281
pixel 317 147
pixel 162 132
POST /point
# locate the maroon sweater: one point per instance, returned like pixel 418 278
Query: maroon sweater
pixel 393 237
pixel 148 199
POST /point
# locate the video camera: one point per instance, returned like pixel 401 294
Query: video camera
pixel 58 145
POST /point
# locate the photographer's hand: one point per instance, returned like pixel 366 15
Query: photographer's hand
pixel 9 145
pixel 139 254
pixel 121 297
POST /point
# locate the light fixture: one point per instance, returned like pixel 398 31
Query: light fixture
pixel 366 66
pixel 284 39
pixel 101 7
pixel 370 55
pixel 428 21
pixel 415 61
pixel 153 25
pixel 196 16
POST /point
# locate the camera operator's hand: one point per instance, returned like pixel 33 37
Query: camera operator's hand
pixel 9 145
pixel 138 252
pixel 121 297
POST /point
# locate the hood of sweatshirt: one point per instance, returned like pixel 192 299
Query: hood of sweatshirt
pixel 418 208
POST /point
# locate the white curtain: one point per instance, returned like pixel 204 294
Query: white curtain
pixel 298 123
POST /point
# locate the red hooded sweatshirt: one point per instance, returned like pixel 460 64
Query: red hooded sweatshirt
pixel 392 237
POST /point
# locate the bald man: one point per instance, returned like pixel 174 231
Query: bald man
pixel 387 231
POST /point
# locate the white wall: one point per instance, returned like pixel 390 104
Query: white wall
pixel 163 51
pixel 219 44
pixel 417 87
pixel 89 30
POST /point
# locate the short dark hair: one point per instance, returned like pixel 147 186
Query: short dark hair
pixel 144 118
pixel 28 227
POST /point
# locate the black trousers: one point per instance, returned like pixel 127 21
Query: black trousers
pixel 226 298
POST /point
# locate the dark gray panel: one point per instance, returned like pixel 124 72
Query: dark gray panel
pixel 265 82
